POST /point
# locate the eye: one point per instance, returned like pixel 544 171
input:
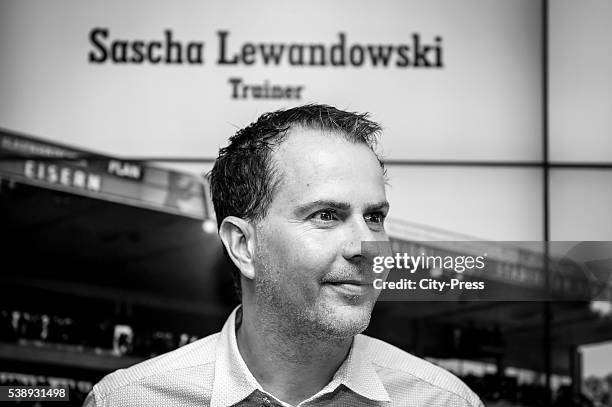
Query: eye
pixel 325 216
pixel 376 217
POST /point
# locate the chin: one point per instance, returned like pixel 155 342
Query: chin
pixel 344 321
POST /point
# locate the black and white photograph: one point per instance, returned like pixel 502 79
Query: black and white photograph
pixel 401 203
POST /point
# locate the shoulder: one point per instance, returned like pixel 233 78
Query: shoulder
pixel 400 370
pixel 163 372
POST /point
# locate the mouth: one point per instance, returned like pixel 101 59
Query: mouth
pixel 347 282
pixel 349 287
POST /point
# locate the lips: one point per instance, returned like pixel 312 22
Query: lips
pixel 352 275
pixel 355 279
pixel 349 288
pixel 350 282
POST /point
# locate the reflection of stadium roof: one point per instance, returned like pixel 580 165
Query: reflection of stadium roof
pixel 54 166
pixel 523 265
pixel 75 221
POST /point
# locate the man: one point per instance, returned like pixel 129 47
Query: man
pixel 295 194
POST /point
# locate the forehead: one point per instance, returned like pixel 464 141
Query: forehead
pixel 318 165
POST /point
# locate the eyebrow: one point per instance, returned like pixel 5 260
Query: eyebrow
pixel 343 206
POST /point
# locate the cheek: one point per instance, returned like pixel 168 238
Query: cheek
pixel 312 256
pixel 299 254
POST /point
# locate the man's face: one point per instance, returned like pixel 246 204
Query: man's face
pixel 309 270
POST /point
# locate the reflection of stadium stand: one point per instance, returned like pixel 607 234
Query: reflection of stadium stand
pixel 499 333
pixel 517 264
pixel 81 259
pixel 100 274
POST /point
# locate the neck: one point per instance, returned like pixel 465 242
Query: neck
pixel 290 366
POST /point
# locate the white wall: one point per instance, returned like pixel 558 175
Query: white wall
pixel 580 118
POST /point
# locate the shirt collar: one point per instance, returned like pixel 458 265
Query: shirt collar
pixel 233 381
pixel 358 374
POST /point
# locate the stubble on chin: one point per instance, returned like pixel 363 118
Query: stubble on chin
pixel 319 321
pixel 282 311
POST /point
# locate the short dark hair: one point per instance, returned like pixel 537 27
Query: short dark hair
pixel 243 179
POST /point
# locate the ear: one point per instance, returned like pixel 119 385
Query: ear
pixel 238 237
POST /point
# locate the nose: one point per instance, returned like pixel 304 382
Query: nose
pixel 357 232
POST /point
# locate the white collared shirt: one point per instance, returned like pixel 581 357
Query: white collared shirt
pixel 211 372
